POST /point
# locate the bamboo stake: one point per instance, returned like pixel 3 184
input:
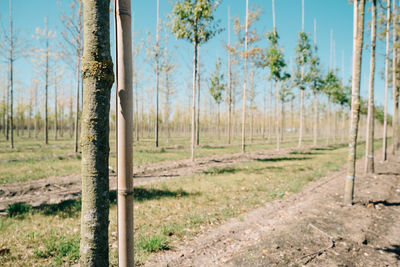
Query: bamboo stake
pixel 124 132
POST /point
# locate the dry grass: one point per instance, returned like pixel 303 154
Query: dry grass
pixel 31 159
pixel 166 212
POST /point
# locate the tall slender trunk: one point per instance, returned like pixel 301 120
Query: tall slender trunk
pixel 316 118
pixel 359 9
pixel 395 75
pixel 30 114
pixel 301 115
pixel 282 119
pixel 264 113
pixel 46 118
pixel 97 75
pixel 344 128
pixel 7 108
pixel 334 122
pixel 328 116
pixel 11 80
pixel 301 81
pixel 156 123
pixel 71 120
pixel 229 79
pixel 369 149
pixel 277 117
pixel 55 107
pixel 78 71
pixel 137 110
pixel 195 47
pixel 270 113
pixel 245 80
pixel 198 99
pixel 4 111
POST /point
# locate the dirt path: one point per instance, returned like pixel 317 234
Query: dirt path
pixel 57 189
pixel 310 228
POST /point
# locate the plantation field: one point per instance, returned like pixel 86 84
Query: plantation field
pixel 178 209
pixel 32 159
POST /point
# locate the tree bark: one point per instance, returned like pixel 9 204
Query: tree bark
pixel 359 9
pixel 395 76
pixel 369 149
pixel 97 74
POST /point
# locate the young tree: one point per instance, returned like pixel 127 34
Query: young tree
pixel 229 85
pixel 316 83
pixel 247 36
pixel 41 59
pixel 273 58
pixel 11 47
pixel 285 95
pixel 384 145
pixel 395 80
pixel 97 74
pixel 193 20
pixel 369 148
pixel 73 36
pixel 358 33
pixel 303 55
pixel 216 88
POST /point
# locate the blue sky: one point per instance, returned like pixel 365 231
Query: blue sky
pixel 330 14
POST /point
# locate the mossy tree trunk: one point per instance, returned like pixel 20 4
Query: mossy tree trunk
pixel 97 75
pixel 359 9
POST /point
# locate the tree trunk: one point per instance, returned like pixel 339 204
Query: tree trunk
pixel 278 140
pixel 369 149
pixel 156 125
pixel 229 79
pixel 328 115
pixel 316 118
pixel 245 81
pixel 198 99
pixel 195 46
pixel 46 119
pixel 11 81
pixel 55 107
pixel 395 75
pixel 282 119
pixel 97 74
pixel 359 9
pixel 301 114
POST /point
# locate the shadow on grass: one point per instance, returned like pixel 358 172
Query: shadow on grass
pixel 283 159
pixel 394 249
pixel 142 194
pixel 72 207
pixel 329 148
pixel 305 153
pixel 212 147
pixel 215 170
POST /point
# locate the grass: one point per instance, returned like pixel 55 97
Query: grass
pixel 32 159
pixel 168 212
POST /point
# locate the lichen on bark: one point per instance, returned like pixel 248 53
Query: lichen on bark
pixel 98 77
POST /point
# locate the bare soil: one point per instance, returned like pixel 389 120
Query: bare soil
pixel 54 190
pixel 311 228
